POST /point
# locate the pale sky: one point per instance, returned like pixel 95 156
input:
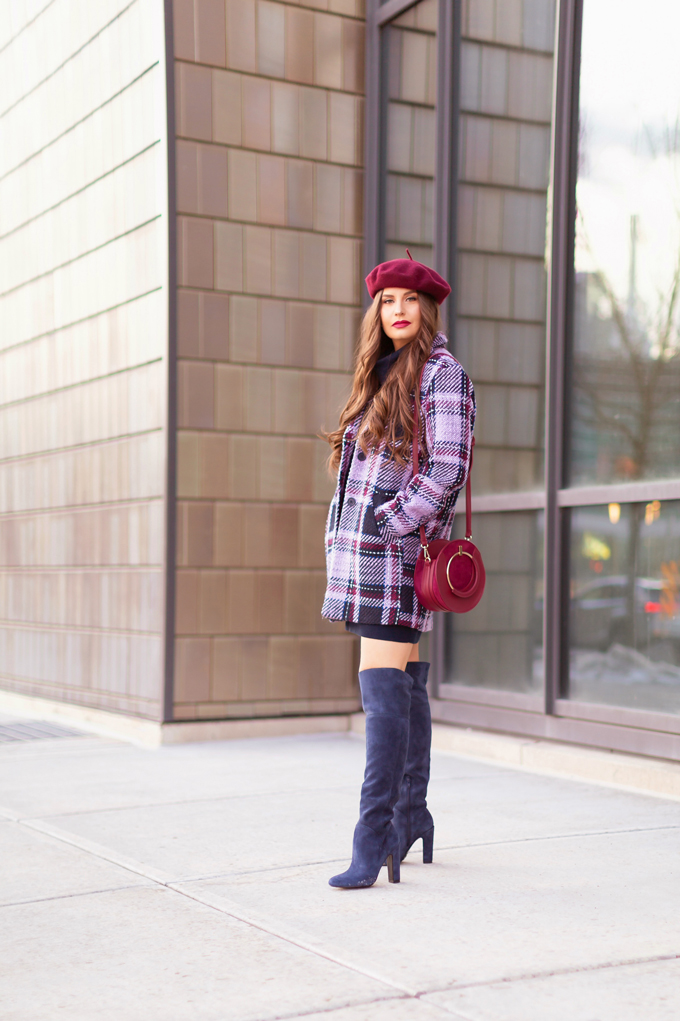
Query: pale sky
pixel 630 79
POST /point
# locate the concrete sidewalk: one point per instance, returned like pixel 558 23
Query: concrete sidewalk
pixel 191 883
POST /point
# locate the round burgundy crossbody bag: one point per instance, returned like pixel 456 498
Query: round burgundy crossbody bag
pixel 449 573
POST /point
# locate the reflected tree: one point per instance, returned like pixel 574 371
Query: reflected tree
pixel 626 372
pixel 627 394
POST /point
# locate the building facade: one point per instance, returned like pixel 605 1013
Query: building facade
pixel 190 195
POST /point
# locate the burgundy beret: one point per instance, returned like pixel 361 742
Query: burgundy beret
pixel 407 273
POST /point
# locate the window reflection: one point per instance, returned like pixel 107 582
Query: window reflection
pixel 499 643
pixel 412 70
pixel 625 605
pixel 626 348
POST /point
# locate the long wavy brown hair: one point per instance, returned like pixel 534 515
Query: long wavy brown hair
pixel 389 408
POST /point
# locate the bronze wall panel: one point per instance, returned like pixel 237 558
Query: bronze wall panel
pixel 269 303
pixel 83 303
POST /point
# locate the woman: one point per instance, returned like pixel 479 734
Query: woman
pixel 372 544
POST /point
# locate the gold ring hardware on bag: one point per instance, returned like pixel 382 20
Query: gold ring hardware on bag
pixel 460 553
pixel 432 572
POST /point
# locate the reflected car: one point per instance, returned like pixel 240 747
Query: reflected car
pixel 599 613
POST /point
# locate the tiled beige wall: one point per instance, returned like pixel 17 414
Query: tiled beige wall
pixel 269 119
pixel 83 256
pixel 506 97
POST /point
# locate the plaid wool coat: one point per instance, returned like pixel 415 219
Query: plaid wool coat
pixel 372 540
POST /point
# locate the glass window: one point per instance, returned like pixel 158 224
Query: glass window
pixel 624 616
pixel 499 644
pixel 505 100
pixel 625 388
pixel 411 144
pixel 504 165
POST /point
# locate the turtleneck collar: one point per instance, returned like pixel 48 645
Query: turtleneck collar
pixel 384 364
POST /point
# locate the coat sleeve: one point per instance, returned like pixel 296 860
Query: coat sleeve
pixel 448 407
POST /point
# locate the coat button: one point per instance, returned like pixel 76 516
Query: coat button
pixel 351 501
pixel 361 456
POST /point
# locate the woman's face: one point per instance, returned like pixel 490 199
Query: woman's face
pixel 400 315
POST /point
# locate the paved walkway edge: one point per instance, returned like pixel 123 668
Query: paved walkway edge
pixel 153 734
pixel 611 769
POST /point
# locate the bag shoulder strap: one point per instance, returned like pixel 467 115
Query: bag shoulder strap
pixel 416 466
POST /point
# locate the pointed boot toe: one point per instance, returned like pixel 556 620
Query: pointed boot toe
pixel 369 853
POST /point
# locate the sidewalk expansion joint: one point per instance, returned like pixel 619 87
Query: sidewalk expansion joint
pixel 69 896
pixel 225 906
pixel 265 868
pixel 553 972
pixel 184 801
pixel 219 904
pixel 228 907
pixel 559 836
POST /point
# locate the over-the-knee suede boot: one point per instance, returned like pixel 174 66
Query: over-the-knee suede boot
pixel 386 697
pixel 411 816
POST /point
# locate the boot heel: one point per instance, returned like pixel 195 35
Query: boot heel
pixel 393 870
pixel 428 841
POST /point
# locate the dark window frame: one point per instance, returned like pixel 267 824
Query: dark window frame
pixel 378 17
